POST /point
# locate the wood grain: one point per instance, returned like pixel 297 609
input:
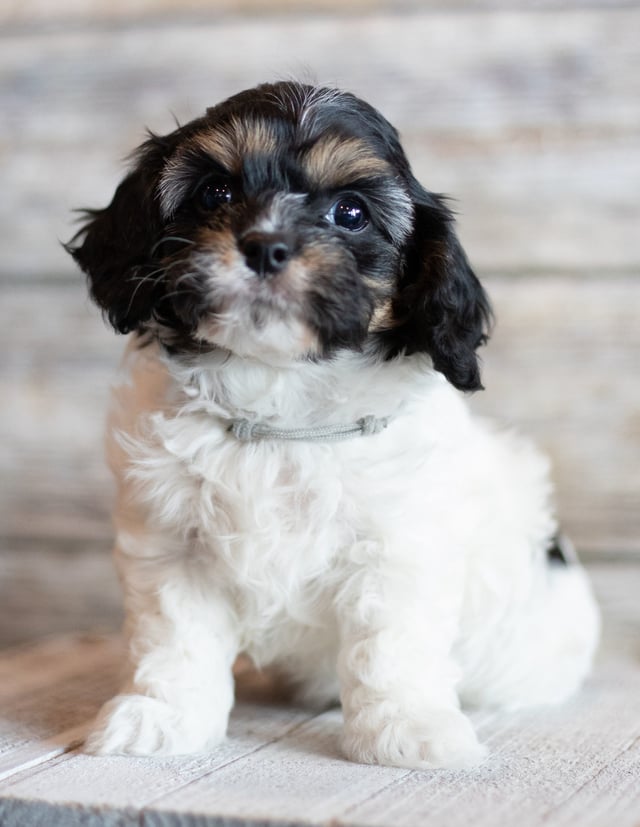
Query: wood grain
pixel 529 118
pixel 28 12
pixel 575 764
pixel 563 367
pixel 53 586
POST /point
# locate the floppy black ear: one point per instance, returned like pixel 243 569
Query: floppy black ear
pixel 115 247
pixel 441 307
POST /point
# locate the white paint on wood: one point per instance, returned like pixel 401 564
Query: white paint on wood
pixel 47 695
pixel 25 670
pixel 54 586
pixel 528 118
pixel 575 764
pixel 30 12
pixel 563 368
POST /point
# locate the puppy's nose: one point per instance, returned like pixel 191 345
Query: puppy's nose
pixel 265 253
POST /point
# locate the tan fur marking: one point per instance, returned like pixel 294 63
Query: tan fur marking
pixel 230 145
pixel 383 317
pixel 318 259
pixel 337 162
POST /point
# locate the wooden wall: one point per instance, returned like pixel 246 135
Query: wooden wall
pixel 527 112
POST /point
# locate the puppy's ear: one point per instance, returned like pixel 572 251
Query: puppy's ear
pixel 115 247
pixel 440 307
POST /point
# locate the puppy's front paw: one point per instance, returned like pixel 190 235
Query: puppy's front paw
pixel 442 738
pixel 141 725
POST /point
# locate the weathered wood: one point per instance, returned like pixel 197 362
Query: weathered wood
pixel 575 764
pixel 53 587
pixel 30 12
pixel 59 361
pixel 47 697
pixel 563 367
pixel 73 678
pixel 530 119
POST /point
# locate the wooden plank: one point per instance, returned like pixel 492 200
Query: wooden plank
pixel 121 782
pixel 30 12
pixel 556 369
pixel 55 388
pixel 529 119
pixel 534 777
pixel 531 200
pixel 575 764
pixel 52 588
pixel 47 696
pixel 24 670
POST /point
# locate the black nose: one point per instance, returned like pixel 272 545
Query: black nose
pixel 265 253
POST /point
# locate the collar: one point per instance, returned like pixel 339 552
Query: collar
pixel 246 430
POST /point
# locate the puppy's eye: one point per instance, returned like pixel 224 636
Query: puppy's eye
pixel 349 213
pixel 213 194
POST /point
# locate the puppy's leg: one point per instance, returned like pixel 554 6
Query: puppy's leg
pixel 182 645
pixel 398 681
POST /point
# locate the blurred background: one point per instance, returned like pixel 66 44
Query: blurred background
pixel 527 113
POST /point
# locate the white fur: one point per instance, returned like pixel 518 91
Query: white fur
pixel 403 572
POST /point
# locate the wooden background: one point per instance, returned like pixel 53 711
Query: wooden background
pixel 527 112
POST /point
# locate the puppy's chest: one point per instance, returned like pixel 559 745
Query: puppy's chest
pixel 261 511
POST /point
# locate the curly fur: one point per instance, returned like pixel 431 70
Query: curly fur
pixel 404 573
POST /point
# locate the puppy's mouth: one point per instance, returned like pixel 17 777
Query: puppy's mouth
pixel 254 300
pixel 267 294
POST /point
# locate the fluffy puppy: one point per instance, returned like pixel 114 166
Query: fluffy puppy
pixel 298 475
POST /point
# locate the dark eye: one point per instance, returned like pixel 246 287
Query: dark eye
pixel 350 214
pixel 213 194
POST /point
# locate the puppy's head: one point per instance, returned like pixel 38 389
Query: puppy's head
pixel 285 224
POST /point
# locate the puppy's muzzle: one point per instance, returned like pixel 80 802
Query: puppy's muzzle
pixel 265 253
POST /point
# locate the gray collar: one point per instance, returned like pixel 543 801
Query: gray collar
pixel 247 431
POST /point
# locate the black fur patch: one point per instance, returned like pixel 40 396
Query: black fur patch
pixel 143 254
pixel 561 551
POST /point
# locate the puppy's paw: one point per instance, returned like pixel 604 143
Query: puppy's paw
pixel 140 725
pixel 442 738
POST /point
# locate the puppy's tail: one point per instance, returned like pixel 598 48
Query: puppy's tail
pixel 562 551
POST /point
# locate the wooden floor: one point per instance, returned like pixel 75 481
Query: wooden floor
pixel 577 765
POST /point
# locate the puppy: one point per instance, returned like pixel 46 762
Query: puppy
pixel 298 476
